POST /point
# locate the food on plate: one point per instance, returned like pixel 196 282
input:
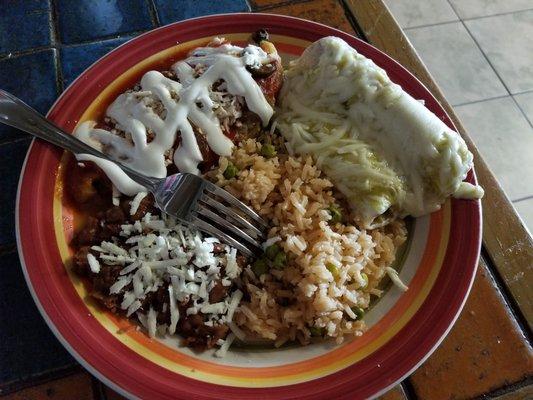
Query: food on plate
pixel 386 152
pixel 313 160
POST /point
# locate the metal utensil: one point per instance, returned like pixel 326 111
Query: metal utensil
pixel 190 198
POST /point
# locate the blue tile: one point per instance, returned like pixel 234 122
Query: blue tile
pixel 171 11
pixel 27 346
pixel 12 156
pixel 90 19
pixel 31 77
pixel 76 59
pixel 24 25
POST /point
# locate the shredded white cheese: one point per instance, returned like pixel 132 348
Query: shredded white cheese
pixel 393 275
pixel 161 252
pixel 120 284
pixel 232 268
pixel 113 249
pixel 234 302
pixel 225 346
pixel 269 242
pixel 115 195
pixel 380 147
pixel 152 322
pixel 174 311
pixel 94 265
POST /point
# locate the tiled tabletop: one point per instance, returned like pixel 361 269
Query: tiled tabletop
pixel 45 44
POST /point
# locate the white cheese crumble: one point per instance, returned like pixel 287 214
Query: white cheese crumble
pixel 158 252
pixel 136 202
pixel 93 263
pixel 225 346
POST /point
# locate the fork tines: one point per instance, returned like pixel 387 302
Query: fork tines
pixel 222 215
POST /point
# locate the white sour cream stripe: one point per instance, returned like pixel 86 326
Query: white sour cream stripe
pixel 186 103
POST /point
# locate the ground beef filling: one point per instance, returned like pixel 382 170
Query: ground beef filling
pixel 106 226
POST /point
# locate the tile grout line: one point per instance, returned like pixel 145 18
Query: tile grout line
pixel 522 199
pixel 98 388
pixel 41 378
pixel 105 38
pixel 481 101
pixel 492 15
pixel 507 297
pixel 249 6
pixel 506 389
pixel 52 25
pixel 492 98
pixel 16 54
pixel 430 25
pixel 57 44
pixel 54 31
pixel 281 4
pixel 353 21
pixel 408 389
pixel 8 248
pixel 459 19
pixel 522 112
pixel 154 16
pixel 522 92
pixel 15 139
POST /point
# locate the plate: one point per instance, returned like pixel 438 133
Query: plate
pixel 404 328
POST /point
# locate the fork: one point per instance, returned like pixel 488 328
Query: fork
pixel 191 199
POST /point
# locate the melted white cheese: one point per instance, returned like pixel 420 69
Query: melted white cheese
pixel 186 103
pixel 382 148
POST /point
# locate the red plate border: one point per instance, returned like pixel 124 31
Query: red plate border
pixel 111 362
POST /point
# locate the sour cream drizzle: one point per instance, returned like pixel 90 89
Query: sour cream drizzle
pixel 186 103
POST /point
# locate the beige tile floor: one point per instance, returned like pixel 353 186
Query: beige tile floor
pixel 480 52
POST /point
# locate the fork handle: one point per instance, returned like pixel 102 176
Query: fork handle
pixel 14 112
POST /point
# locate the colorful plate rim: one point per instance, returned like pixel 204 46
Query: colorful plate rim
pixel 375 374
